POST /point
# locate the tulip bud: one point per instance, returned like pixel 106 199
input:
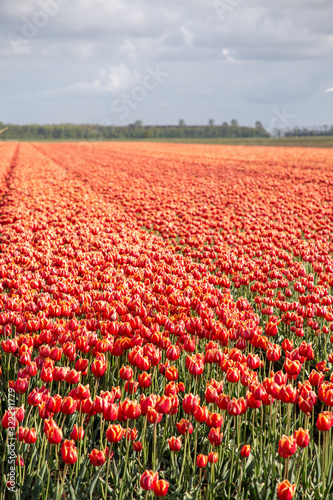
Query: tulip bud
pixel 302 437
pixel 114 433
pixel 175 443
pixel 202 460
pixel 148 480
pixel 245 451
pixel 213 457
pixel 161 488
pixel 97 457
pixel 68 452
pixel 285 490
pixel 77 433
pixel 137 446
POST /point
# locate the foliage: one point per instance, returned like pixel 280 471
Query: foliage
pixel 157 291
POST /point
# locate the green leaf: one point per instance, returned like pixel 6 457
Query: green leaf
pixel 37 488
pixel 93 483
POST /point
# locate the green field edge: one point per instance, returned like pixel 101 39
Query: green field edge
pixel 310 142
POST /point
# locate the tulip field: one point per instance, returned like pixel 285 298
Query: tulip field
pixel 166 322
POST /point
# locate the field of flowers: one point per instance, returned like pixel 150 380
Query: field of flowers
pixel 166 322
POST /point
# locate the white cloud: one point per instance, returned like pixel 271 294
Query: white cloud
pixel 188 35
pixel 228 55
pixel 127 49
pixel 261 54
pixel 112 80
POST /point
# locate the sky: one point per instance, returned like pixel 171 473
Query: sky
pixel 159 61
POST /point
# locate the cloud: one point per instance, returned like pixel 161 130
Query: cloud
pixel 188 35
pixel 228 55
pixel 329 90
pixel 112 80
pixel 258 55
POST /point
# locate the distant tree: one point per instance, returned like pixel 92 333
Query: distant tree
pixel 136 130
pixel 259 130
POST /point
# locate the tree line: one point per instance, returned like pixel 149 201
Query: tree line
pixel 133 131
pixel 325 130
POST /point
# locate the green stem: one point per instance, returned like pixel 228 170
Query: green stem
pixel 62 482
pixel 323 465
pixel 154 446
pixel 107 473
pixel 184 460
pixel 125 470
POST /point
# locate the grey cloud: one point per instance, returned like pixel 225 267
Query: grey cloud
pixel 263 53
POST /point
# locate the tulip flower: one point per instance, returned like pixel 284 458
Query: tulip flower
pixel 137 446
pixel 114 433
pixel 68 452
pixel 148 480
pixel 190 403
pixel 30 436
pixel 161 488
pixel 215 436
pixel 19 461
pixel 302 437
pixel 324 421
pixel 202 460
pixel 285 490
pixel 287 446
pixel 97 457
pixel 213 457
pixel 77 433
pixel 184 426
pixel 245 450
pixel 175 443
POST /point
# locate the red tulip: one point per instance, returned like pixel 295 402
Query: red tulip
pixel 163 405
pixel 148 480
pixel 68 405
pixel 30 436
pixel 202 460
pixel 137 446
pixel 68 452
pixel 126 372
pixel 153 416
pixel 324 421
pixel 184 426
pixel 133 410
pixel 190 403
pixel 175 443
pixel 98 368
pixel 214 420
pixel 245 450
pixel 97 457
pixel 302 437
pixel 285 490
pixel 287 446
pixel 171 373
pixel 110 411
pixel 161 488
pixel 77 433
pixel 213 457
pixel 9 419
pixel 53 404
pixel 114 433
pixel 54 435
pixel 144 380
pixel 215 436
pixel 19 461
